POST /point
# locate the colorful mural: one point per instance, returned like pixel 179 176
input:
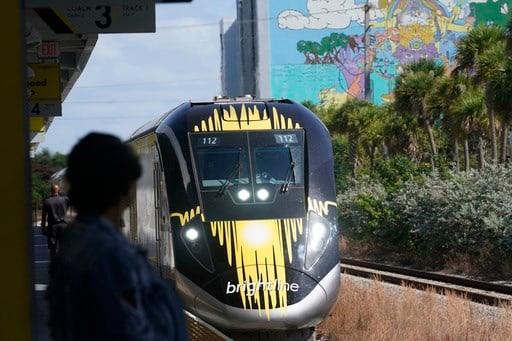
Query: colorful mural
pixel 317 47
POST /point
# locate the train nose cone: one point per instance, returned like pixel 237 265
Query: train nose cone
pixel 258 287
pixel 251 298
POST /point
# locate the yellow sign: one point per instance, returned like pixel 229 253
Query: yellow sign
pixel 45 85
pixel 36 124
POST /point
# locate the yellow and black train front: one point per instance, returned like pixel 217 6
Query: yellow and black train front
pixel 252 209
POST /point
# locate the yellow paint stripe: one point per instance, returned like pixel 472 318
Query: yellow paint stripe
pixel 260 263
pixel 319 207
pixel 65 20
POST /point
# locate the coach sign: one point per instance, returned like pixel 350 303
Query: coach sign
pixel 96 16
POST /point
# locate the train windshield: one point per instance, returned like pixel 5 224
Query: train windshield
pixel 237 169
pixel 277 165
pixel 222 167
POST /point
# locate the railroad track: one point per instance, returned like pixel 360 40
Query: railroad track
pixel 477 291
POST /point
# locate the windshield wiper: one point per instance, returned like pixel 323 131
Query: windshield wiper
pixel 228 180
pixel 289 176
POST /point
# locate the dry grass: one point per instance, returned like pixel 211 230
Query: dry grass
pixel 379 313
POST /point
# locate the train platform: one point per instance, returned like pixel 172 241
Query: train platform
pixel 41 264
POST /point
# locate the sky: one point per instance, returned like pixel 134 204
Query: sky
pixel 133 78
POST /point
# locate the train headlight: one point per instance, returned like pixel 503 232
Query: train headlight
pixel 262 194
pixel 191 234
pixel 256 233
pixel 244 194
pixel 193 238
pixel 319 234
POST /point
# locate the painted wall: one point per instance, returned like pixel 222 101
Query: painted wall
pixel 317 46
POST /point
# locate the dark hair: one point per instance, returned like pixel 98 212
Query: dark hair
pixel 101 169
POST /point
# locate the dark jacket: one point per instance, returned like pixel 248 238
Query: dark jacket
pixel 102 288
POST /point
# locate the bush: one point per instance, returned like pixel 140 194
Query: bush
pixel 395 172
pixel 366 218
pixel 40 190
pixel 342 166
pixel 434 219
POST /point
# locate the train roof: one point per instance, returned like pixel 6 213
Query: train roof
pixel 222 100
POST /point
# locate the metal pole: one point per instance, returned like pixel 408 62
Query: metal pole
pixel 367 85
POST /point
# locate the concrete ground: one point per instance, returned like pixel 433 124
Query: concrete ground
pixel 41 264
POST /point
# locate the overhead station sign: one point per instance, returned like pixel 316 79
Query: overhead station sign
pixel 45 84
pixel 96 16
pixel 44 90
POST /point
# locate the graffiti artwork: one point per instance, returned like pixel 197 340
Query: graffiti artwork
pixel 318 50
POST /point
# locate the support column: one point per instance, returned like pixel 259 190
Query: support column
pixel 16 296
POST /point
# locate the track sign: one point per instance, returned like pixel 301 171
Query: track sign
pixel 45 85
pixel 44 109
pixel 96 16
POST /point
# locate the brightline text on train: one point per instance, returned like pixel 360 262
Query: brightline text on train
pixel 251 288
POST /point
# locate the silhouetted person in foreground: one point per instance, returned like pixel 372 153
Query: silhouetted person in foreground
pixel 101 286
pixel 53 219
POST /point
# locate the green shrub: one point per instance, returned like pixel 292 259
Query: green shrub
pixel 366 218
pixel 433 219
pixel 342 167
pixel 460 214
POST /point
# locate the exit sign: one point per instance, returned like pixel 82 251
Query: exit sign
pixel 48 49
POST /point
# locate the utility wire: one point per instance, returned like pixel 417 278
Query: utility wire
pixel 246 21
pixel 341 11
pixel 178 81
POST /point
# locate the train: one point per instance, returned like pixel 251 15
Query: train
pixel 236 207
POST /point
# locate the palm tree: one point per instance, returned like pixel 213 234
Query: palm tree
pixel 469 53
pixel 496 66
pixel 411 91
pixel 440 102
pixel 352 118
pixel 504 105
pixel 470 113
pixel 373 136
pixel 401 133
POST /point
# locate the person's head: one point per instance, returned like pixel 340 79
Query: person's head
pixel 101 172
pixel 55 189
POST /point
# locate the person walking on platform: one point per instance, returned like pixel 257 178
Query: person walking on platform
pixel 53 219
pixel 101 286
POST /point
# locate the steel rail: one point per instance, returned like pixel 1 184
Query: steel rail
pixel 475 290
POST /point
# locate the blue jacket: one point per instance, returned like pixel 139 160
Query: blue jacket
pixel 102 288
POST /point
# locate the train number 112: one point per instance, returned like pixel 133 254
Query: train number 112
pixel 209 141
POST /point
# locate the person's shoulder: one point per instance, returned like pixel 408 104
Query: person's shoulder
pixel 101 233
pixel 52 199
pixel 91 232
pixel 89 241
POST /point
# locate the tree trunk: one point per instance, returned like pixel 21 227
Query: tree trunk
pixel 432 141
pixel 492 129
pixel 352 152
pixel 384 151
pixel 372 159
pixel 455 153
pixel 503 142
pixel 481 153
pixel 467 163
